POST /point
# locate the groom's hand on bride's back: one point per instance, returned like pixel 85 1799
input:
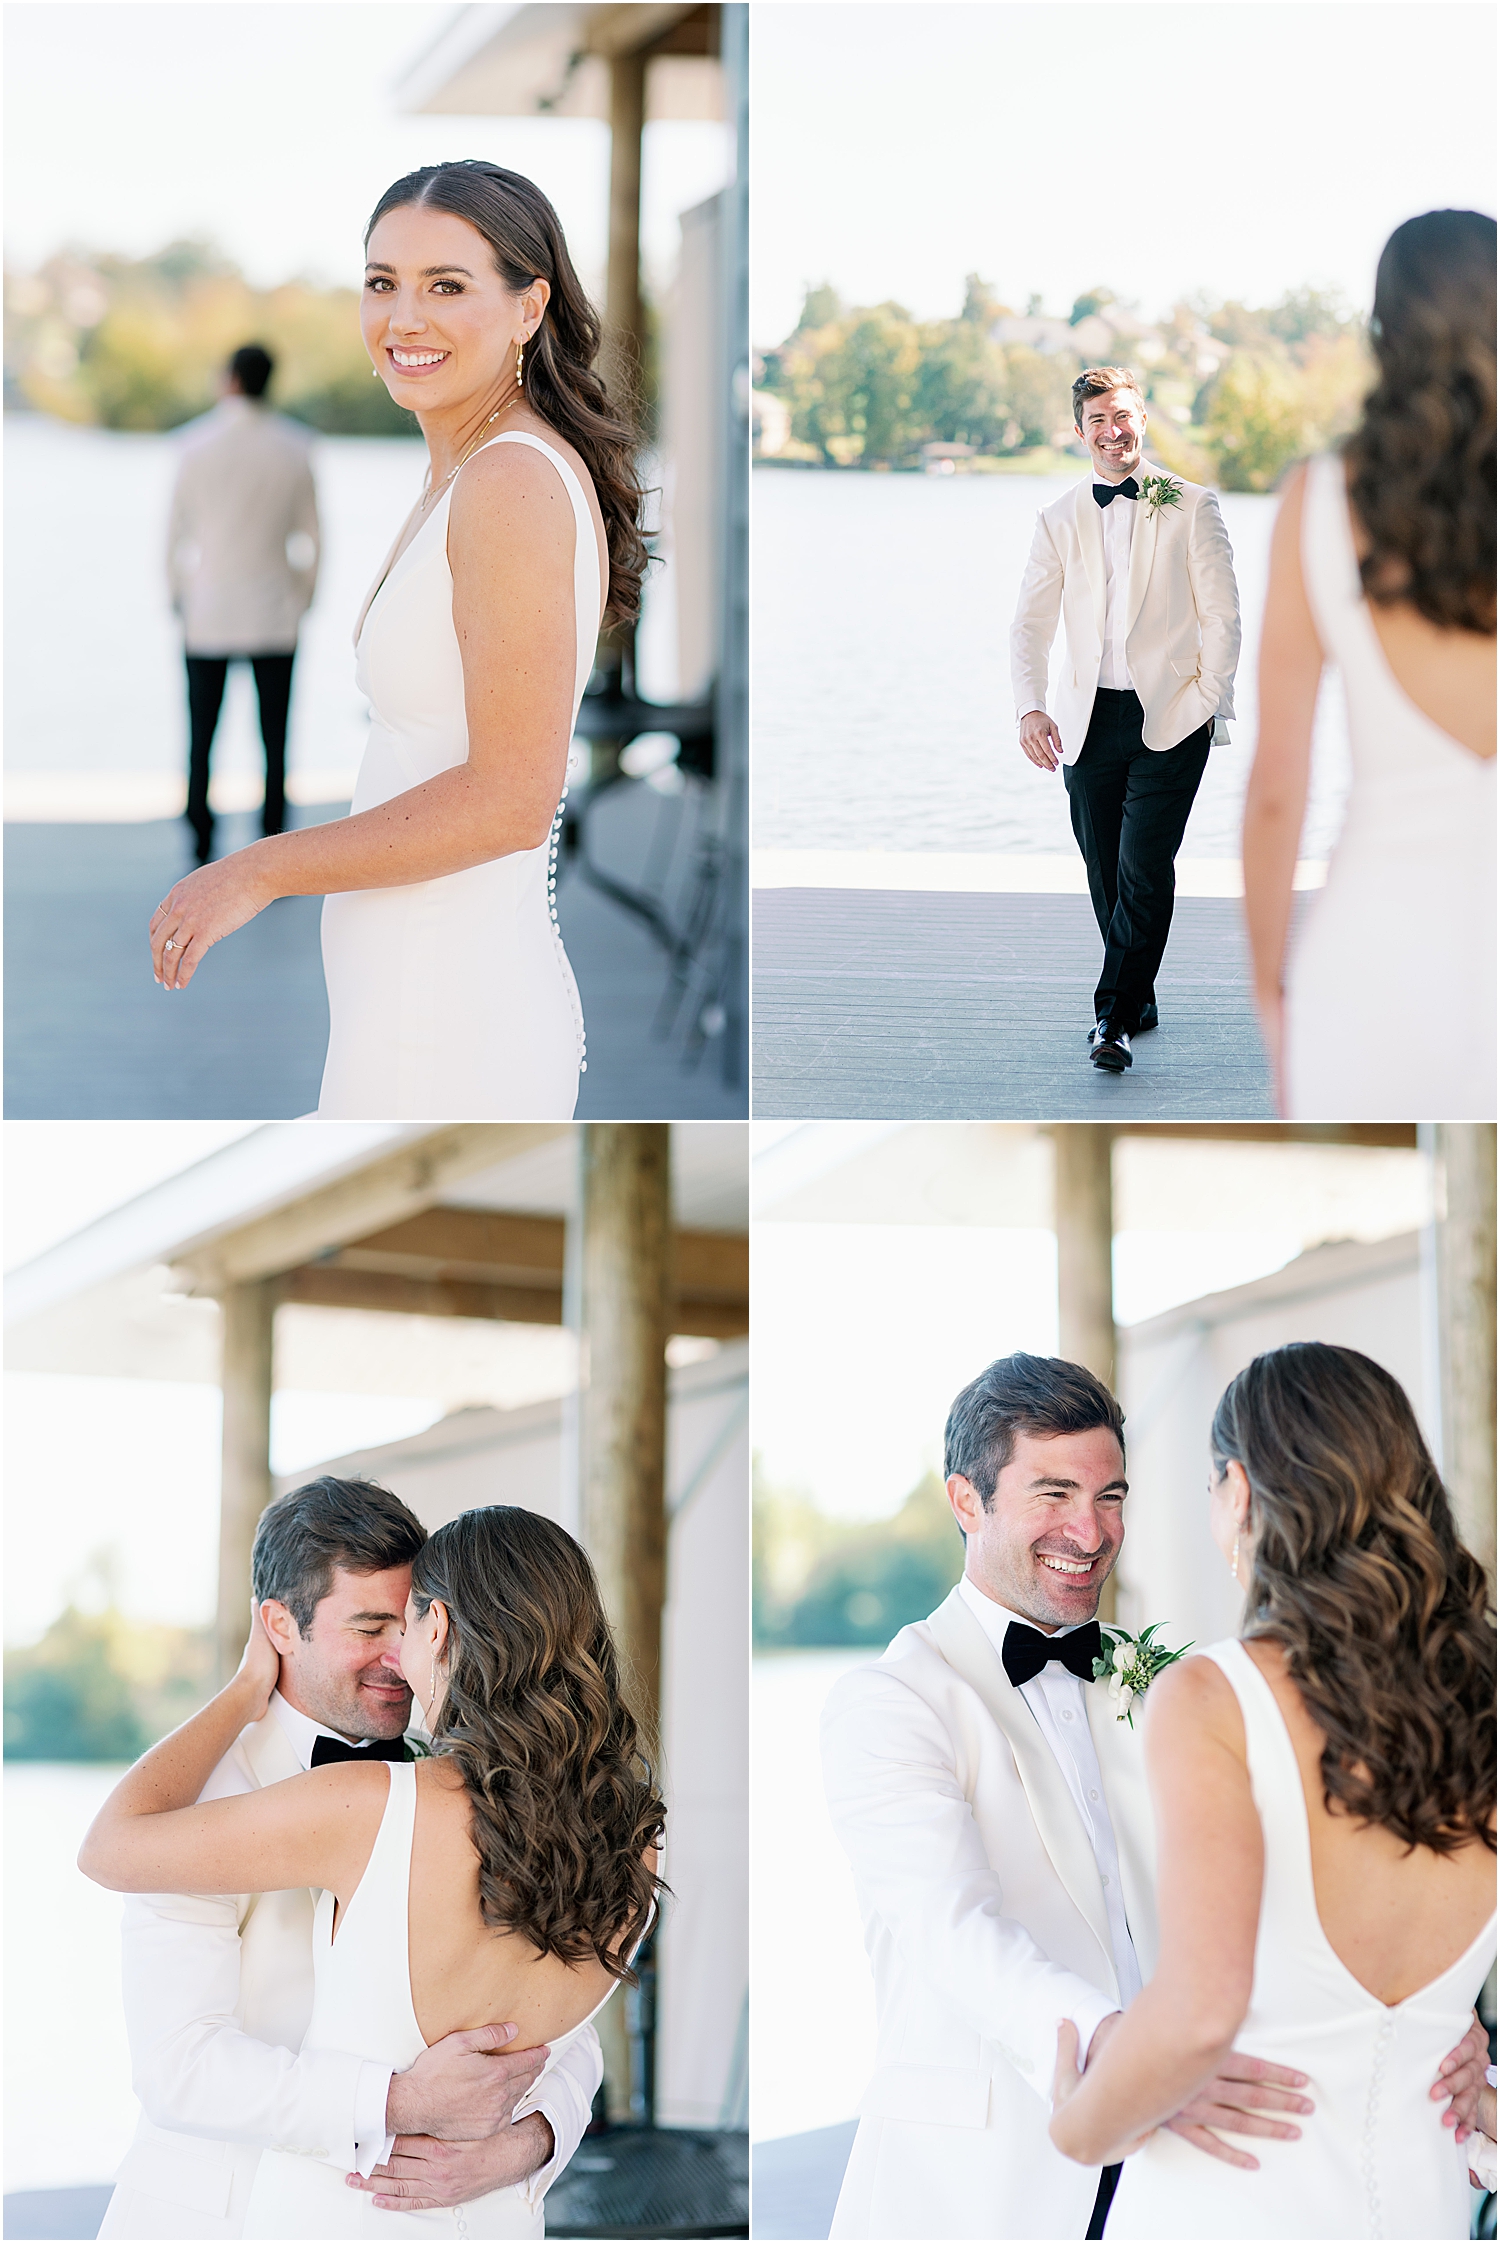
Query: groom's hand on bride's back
pixel 465 2087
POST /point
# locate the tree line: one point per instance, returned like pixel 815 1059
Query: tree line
pixel 1235 392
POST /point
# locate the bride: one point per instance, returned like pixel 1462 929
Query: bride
pixel 1324 1789
pixel 1383 563
pixel 509 1875
pixel 449 991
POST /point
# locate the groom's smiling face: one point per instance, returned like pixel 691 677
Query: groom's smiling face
pixel 1114 429
pixel 1047 1540
pixel 346 1671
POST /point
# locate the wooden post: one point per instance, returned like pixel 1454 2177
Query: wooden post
pixel 623 322
pixel 626 1294
pixel 1083 1211
pixel 249 1314
pixel 1465 1157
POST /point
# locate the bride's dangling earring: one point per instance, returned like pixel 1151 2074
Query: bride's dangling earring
pixel 1234 1562
pixel 432 1680
pixel 520 362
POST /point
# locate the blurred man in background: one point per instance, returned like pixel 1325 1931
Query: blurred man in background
pixel 242 561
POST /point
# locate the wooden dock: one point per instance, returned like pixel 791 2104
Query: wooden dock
pixel 915 1005
pixel 89 1035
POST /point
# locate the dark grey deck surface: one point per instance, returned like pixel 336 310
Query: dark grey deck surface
pixel 895 1005
pixel 88 1034
pixel 795 2183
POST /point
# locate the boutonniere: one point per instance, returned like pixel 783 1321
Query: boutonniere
pixel 1130 1664
pixel 1158 491
pixel 417 1746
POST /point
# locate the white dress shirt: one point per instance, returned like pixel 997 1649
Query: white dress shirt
pixel 1055 1698
pixel 1118 523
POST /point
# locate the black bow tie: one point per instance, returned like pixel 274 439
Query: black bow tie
pixel 1027 1651
pixel 1104 492
pixel 328 1749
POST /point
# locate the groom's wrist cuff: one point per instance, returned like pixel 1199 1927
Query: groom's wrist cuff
pixel 372 2144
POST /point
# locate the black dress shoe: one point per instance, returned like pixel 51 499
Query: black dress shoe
pixel 1149 1017
pixel 1109 1047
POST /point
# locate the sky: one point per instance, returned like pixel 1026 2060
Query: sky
pixel 1243 147
pixel 270 126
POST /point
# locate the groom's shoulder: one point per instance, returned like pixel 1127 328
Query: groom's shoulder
pixel 910 1669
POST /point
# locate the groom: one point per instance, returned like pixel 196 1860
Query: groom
pixel 219 1988
pixel 1140 568
pixel 996 1816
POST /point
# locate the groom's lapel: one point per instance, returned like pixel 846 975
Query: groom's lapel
pixel 268 1750
pixel 1088 520
pixel 1142 551
pixel 970 1653
pixel 1122 1765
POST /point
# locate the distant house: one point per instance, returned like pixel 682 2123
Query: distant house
pixel 770 423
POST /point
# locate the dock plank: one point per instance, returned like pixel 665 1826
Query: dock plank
pixel 911 1005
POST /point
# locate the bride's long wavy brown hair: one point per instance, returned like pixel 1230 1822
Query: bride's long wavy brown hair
pixel 563 1804
pixel 1358 1573
pixel 1422 462
pixel 527 242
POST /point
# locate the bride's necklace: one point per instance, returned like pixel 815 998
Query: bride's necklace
pixel 428 493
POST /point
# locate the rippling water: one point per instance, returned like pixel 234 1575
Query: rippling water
pixel 882 714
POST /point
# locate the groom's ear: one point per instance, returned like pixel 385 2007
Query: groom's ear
pixel 279 1625
pixel 964 1499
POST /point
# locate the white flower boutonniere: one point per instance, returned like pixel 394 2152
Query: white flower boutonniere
pixel 1130 1664
pixel 1158 491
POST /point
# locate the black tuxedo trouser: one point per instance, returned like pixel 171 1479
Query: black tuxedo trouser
pixel 1109 2181
pixel 1129 805
pixel 273 692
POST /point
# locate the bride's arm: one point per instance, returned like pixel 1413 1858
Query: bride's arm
pixel 151 1836
pixel 1174 2036
pixel 1291 667
pixel 511 536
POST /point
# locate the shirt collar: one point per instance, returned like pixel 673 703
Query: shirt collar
pixel 995 1618
pixel 301 1731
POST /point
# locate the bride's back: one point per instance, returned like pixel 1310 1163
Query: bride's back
pixel 1396 1916
pixel 464 1972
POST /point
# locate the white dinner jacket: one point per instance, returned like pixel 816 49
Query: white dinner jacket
pixel 1182 614
pixel 984 1923
pixel 244 486
pixel 218 1995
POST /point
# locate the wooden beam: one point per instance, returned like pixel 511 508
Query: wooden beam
pixel 1083 1216
pixel 657 26
pixel 1400 1136
pixel 331 1285
pixel 248 1313
pixel 378 1193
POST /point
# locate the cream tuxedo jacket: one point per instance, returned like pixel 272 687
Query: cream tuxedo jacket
pixel 984 1923
pixel 218 1994
pixel 1182 615
pixel 244 487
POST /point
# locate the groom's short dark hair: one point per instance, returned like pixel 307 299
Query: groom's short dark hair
pixel 1098 381
pixel 302 1536
pixel 1038 1394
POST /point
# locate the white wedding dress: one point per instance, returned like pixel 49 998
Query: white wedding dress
pixel 362 2002
pixel 1374 2159
pixel 1390 1001
pixel 450 999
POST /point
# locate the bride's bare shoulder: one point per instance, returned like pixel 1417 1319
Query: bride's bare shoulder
pixel 1194 1699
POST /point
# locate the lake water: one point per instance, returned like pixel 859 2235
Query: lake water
pixel 69 2109
pixel 96 722
pixel 812 1999
pixel 883 717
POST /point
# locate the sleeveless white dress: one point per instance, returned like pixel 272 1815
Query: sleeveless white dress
pixel 1390 1003
pixel 451 999
pixel 362 2003
pixel 1374 2159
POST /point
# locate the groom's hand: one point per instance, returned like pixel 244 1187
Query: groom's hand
pixel 1241 2090
pixel 424 2175
pixel 463 2088
pixel 1040 740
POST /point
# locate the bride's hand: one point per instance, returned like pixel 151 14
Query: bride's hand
pixel 259 1669
pixel 201 910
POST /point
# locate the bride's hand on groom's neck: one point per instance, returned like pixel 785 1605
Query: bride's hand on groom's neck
pixel 259 1670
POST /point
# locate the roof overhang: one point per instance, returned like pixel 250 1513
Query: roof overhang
pixel 553 61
